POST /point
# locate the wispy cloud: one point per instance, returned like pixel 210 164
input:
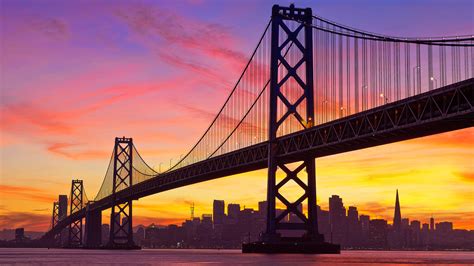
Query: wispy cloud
pixel 171 31
pixel 28 193
pixel 29 221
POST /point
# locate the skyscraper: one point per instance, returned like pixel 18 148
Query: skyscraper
pixel 337 219
pixel 353 227
pixel 262 208
pixel 397 217
pixel 233 211
pixel 62 211
pixel 218 211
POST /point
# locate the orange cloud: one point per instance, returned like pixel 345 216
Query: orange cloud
pixel 27 220
pixel 467 176
pixel 25 192
pixel 63 150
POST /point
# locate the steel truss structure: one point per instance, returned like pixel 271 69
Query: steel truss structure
pixel 441 110
pixel 304 80
pixel 121 233
pixel 76 204
pixel 55 220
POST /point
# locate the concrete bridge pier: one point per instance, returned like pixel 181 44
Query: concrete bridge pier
pixel 93 235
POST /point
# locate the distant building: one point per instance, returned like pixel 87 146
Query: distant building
pixel 233 211
pixel 105 229
pixel 444 227
pixel 405 223
pixel 365 229
pixel 218 212
pixel 262 208
pixel 397 216
pixel 378 233
pixel 19 234
pixel 323 223
pixel 396 237
pixel 354 231
pixel 337 219
pixel 62 210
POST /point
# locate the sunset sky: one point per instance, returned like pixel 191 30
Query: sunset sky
pixel 76 74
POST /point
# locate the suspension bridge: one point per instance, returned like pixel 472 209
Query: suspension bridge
pixel 311 88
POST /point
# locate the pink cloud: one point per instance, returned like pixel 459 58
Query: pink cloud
pixel 175 32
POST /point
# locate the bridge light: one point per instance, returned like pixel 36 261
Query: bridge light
pixel 433 79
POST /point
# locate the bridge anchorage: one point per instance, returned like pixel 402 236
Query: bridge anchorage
pixel 302 72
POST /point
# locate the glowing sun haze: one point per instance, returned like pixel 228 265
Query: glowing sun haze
pixel 76 74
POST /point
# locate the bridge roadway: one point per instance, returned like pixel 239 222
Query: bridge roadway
pixel 441 110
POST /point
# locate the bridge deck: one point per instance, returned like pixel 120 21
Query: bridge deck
pixel 441 110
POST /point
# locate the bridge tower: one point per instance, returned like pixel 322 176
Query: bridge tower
pixel 121 233
pixel 76 203
pixel 302 72
pixel 56 240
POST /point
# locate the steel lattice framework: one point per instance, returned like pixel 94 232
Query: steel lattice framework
pixel 76 204
pixel 121 233
pixel 54 221
pixel 455 101
pixel 278 92
pixel 311 88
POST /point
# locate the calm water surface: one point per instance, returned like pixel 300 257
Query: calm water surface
pixel 226 257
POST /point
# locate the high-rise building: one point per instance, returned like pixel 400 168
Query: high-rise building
pixel 415 225
pixel 323 223
pixel 218 211
pixel 353 214
pixel 365 228
pixel 444 227
pixel 425 227
pixel 405 223
pixel 378 233
pixel 337 218
pixel 19 234
pixel 262 208
pixel 397 217
pixel 337 210
pixel 62 211
pixel 233 211
pixel 353 227
pixel 365 223
pixel 207 220
pixel 432 224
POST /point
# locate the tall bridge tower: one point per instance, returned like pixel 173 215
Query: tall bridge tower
pixel 76 204
pixel 121 233
pixel 302 109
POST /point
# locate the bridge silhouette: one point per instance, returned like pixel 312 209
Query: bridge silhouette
pixel 311 88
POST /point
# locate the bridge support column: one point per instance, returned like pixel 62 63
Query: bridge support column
pixel 121 233
pixel 93 235
pixel 301 71
pixel 55 239
pixel 76 204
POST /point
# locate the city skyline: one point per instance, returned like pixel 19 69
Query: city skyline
pixel 64 119
pixel 229 225
pixel 195 213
